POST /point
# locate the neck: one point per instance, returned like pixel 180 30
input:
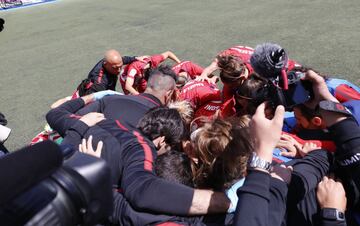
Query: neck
pixel 156 94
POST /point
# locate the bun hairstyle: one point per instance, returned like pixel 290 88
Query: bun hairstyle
pixel 231 67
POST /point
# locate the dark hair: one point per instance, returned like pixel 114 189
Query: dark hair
pixel 231 67
pixel 2 22
pixel 164 70
pixel 304 69
pixel 163 121
pixel 88 86
pixel 174 166
pixel 307 112
pixel 254 90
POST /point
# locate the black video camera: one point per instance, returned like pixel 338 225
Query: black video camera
pixel 284 87
pixel 39 188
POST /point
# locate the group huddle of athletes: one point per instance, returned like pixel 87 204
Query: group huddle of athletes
pixel 184 151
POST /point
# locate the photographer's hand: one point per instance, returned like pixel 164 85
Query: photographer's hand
pixel 87 148
pixel 266 133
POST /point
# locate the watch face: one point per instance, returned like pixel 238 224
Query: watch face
pixel 341 215
pixel 332 214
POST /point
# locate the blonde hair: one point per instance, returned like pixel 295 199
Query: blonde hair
pixel 222 149
pixel 185 110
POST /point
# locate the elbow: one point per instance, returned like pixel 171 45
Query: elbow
pixel 49 116
pixel 167 54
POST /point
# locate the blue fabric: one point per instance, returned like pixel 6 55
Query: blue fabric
pixel 332 83
pixel 354 108
pixel 231 194
pixel 289 121
pixel 99 95
pixel 278 156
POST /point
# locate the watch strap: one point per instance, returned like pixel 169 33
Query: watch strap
pixel 332 214
pixel 256 162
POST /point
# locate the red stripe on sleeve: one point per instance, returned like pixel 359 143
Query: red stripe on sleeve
pixel 121 125
pixel 101 73
pixel 148 162
pixel 169 224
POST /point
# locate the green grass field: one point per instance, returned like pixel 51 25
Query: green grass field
pixel 46 50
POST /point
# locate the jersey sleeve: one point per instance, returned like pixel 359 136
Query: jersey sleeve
pixel 195 70
pixel 128 59
pixel 66 115
pixel 133 69
pixel 144 190
pixel 156 60
pixel 63 117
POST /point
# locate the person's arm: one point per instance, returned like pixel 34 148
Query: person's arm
pixel 196 70
pixel 205 75
pixel 170 55
pixel 307 173
pixel 63 117
pixel 145 191
pixel 128 59
pixel 331 197
pixel 344 130
pixel 129 86
pixel 254 193
pixel 59 102
pixel 256 190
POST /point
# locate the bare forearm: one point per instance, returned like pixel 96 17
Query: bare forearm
pixel 209 69
pixel 206 201
pixel 88 98
pixel 132 90
pixel 129 87
pixel 172 56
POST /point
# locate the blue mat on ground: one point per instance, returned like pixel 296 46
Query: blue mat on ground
pixel 14 4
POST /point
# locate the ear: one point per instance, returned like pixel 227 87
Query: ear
pixel 317 121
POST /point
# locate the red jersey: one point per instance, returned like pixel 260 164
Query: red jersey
pixel 242 52
pixel 199 93
pixel 135 70
pixel 189 67
pixel 325 144
pixel 209 109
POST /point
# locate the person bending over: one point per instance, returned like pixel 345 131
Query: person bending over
pixel 131 156
pixel 134 77
pixel 106 71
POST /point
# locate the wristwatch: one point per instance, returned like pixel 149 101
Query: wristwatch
pixel 256 162
pixel 332 214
